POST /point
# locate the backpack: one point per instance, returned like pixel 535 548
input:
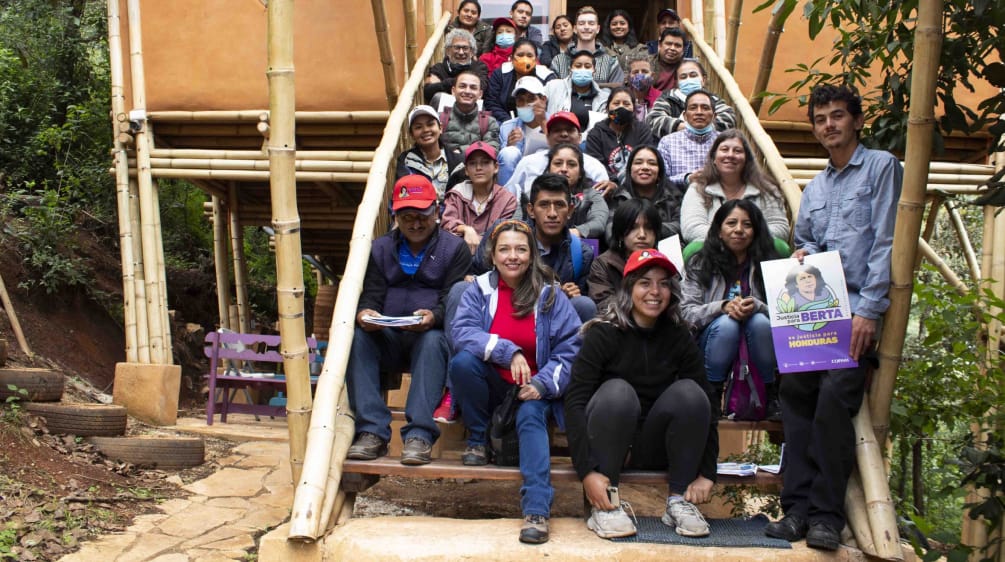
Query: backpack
pixel 746 395
pixel 483 120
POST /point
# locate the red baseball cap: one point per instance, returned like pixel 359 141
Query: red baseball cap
pixel 500 21
pixel 413 191
pixel 567 116
pixel 649 257
pixel 480 146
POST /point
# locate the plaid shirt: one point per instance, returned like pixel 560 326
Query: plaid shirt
pixel 684 152
pixel 605 67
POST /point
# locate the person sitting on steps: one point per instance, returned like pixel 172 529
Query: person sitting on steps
pixel 409 273
pixel 634 226
pixel 639 397
pixel 514 325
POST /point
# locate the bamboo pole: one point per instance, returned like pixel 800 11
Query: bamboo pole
pixel 226 164
pixel 140 286
pixel 240 263
pixel 303 526
pixel 168 357
pixel 343 434
pixel 775 28
pixel 983 171
pixel 930 223
pixel 286 223
pixel 302 155
pixel 386 55
pixel 220 258
pixel 964 238
pixel 148 224
pixel 719 26
pixel 411 31
pixel 733 35
pixel 947 272
pixel 118 103
pixel 251 175
pixel 921 120
pixel 858 519
pixel 698 17
pixel 14 324
pixel 432 10
pixel 255 116
pixel 879 506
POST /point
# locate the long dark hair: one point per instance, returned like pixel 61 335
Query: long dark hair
pixel 607 39
pixel 538 275
pixel 619 308
pixel 751 174
pixel 623 221
pixel 715 259
pixel 580 185
pixel 661 176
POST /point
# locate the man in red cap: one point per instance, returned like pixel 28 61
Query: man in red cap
pixel 410 271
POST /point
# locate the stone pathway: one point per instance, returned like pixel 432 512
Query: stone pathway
pixel 250 494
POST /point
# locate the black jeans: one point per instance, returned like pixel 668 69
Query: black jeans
pixel 817 409
pixel 672 436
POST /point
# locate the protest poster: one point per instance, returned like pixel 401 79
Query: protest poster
pixel 809 311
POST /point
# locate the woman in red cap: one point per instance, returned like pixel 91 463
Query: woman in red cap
pixel 638 386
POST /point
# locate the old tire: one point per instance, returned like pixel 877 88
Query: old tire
pixel 153 451
pixel 43 385
pixel 81 419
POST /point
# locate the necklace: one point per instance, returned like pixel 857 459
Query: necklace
pixel 480 204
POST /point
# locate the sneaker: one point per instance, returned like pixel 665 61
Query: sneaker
pixel 685 518
pixel 609 524
pixel 444 413
pixel 823 536
pixel 416 451
pixel 475 455
pixel 534 530
pixel 367 447
pixel 791 528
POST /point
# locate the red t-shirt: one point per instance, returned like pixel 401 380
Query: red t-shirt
pixel 520 331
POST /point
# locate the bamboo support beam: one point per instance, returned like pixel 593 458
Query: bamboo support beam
pixel 318 462
pixel 964 238
pixel 15 325
pixel 775 28
pixel 252 175
pixel 255 116
pixel 386 54
pixel 947 272
pixel 921 121
pixel 930 223
pixel 140 285
pixel 221 164
pixel 858 519
pixel 878 504
pixel 343 434
pixel 240 264
pixel 733 35
pixel 411 31
pixel 162 276
pixel 302 155
pixel 718 26
pixel 220 258
pixel 983 170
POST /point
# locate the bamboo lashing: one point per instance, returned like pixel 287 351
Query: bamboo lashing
pixel 921 122
pixel 308 498
pixel 240 264
pixel 220 222
pixel 386 54
pixel 878 505
pixel 118 103
pixel 15 325
pixel 775 28
pixel 733 35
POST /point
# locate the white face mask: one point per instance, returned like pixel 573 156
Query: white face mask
pixel 525 113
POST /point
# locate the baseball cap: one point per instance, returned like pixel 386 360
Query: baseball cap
pixel 413 191
pixel 648 257
pixel 529 84
pixel 422 110
pixel 667 12
pixel 480 146
pixel 567 116
pixel 501 21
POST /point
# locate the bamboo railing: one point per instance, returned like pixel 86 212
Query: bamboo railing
pixel 332 426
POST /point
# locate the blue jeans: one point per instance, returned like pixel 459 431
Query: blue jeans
pixel 477 388
pixel 720 341
pixel 585 308
pixel 509 157
pixel 423 354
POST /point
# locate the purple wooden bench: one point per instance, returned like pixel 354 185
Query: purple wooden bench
pixel 249 348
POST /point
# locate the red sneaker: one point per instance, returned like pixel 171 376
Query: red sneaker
pixel 444 413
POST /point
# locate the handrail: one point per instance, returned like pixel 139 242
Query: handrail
pixel 331 431
pixel 721 83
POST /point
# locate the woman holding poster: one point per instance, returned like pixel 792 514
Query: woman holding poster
pixel 724 295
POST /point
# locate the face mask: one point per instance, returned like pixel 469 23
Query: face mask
pixel 642 82
pixel 582 76
pixel 523 65
pixel 505 40
pixel 689 85
pixel 525 113
pixel 621 115
pixel 702 131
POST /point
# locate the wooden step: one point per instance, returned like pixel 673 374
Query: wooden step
pixel 561 471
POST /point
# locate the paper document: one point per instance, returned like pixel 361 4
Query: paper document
pixel 392 321
pixel 736 468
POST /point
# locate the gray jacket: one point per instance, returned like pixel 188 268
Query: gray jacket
pixel 701 305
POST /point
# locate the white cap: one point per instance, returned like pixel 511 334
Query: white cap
pixel 529 84
pixel 422 110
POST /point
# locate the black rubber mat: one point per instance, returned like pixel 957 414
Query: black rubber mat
pixel 723 532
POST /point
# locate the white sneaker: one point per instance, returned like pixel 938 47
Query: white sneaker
pixel 685 518
pixel 611 524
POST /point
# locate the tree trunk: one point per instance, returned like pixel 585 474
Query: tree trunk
pixel 917 477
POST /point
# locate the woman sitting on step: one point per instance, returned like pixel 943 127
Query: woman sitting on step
pixel 515 326
pixel 639 398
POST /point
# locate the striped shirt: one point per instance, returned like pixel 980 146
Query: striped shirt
pixel 605 67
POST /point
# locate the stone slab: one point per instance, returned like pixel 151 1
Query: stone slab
pixel 230 482
pixel 149 392
pixel 239 428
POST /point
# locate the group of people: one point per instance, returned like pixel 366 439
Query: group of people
pixel 528 264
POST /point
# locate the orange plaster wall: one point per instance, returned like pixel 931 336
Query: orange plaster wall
pixel 201 55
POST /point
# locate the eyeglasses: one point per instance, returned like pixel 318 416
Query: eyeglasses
pixel 461 48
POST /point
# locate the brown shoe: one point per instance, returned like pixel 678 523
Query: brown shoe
pixel 534 530
pixel 416 451
pixel 367 447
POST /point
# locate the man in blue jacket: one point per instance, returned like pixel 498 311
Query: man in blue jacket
pixel 411 269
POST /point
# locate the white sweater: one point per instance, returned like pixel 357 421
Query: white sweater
pixel 695 218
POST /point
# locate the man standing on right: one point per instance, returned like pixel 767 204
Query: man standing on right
pixel 850 207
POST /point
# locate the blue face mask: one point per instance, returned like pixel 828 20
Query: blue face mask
pixel 582 76
pixel 505 40
pixel 689 85
pixel 702 131
pixel 525 113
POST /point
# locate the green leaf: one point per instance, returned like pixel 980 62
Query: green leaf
pixel 995 73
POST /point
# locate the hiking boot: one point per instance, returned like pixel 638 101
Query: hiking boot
pixel 367 447
pixel 416 451
pixel 475 455
pixel 823 536
pixel 534 530
pixel 790 528
pixel 444 413
pixel 773 410
pixel 609 524
pixel 685 518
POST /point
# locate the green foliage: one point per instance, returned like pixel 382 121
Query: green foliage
pixel 744 500
pixel 878 37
